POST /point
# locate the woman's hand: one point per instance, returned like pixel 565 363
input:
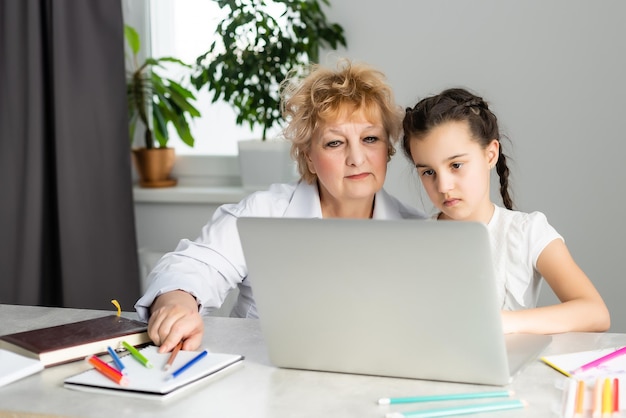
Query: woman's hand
pixel 175 318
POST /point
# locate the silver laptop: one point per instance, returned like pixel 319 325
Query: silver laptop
pixel 403 298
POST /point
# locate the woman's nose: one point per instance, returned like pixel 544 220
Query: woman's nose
pixel 355 155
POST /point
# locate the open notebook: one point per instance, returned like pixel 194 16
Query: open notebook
pixel 154 382
pixel 404 298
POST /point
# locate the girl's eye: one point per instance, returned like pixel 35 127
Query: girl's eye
pixel 456 166
pixel 427 173
pixel 370 139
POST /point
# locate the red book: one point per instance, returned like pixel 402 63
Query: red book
pixel 76 340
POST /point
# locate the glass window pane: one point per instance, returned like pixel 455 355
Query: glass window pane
pixel 184 29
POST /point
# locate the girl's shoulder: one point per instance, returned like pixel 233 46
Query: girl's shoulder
pixel 505 216
pixel 523 229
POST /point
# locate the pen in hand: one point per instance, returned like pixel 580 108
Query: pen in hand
pixel 173 356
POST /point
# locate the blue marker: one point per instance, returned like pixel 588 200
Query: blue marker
pixel 117 360
pixel 190 363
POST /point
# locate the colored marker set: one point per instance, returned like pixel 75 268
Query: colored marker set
pixel 595 399
pixel 118 373
pixel 473 408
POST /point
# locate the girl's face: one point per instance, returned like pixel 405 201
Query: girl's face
pixel 349 156
pixel 454 170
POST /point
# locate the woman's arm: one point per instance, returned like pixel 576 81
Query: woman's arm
pixel 581 307
pixel 175 317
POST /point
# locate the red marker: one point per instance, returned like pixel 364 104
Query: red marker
pixel 113 374
pixel 616 396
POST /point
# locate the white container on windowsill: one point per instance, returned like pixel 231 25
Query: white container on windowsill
pixel 262 163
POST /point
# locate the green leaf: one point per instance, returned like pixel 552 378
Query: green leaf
pixel 180 96
pixel 132 37
pixel 160 126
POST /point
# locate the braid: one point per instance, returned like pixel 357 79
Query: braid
pixel 474 105
pixel 503 173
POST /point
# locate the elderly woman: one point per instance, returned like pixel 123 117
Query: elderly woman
pixel 343 124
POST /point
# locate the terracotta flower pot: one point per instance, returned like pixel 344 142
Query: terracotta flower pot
pixel 154 166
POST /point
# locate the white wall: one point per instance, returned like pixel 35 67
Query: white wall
pixel 554 72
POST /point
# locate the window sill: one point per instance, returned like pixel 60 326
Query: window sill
pixel 189 194
pixel 201 180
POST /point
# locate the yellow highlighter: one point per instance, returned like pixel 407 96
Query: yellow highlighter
pixel 607 399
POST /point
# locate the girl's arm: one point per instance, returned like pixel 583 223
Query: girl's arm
pixel 581 308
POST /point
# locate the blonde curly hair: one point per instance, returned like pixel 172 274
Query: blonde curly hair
pixel 310 101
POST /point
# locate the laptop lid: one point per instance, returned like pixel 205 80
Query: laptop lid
pixel 401 298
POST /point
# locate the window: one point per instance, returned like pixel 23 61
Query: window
pixel 184 29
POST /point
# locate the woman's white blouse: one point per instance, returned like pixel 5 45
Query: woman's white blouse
pixel 213 264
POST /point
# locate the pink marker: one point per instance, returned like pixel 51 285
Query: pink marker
pixel 601 360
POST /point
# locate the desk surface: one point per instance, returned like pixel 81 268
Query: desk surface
pixel 258 389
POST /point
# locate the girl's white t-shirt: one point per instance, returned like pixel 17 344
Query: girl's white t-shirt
pixel 517 240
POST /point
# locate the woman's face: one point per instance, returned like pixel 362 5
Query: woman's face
pixel 455 171
pixel 349 156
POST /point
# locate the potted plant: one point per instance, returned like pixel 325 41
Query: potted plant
pixel 258 43
pixel 155 101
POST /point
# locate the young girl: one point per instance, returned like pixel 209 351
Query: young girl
pixel 454 141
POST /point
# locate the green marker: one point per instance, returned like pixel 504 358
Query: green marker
pixel 137 355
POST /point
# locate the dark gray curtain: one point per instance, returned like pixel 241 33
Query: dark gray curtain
pixel 66 213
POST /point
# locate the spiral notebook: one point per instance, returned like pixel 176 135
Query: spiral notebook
pixel 154 382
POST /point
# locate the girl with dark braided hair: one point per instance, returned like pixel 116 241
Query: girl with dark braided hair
pixel 454 141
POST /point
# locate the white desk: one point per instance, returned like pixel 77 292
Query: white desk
pixel 258 389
